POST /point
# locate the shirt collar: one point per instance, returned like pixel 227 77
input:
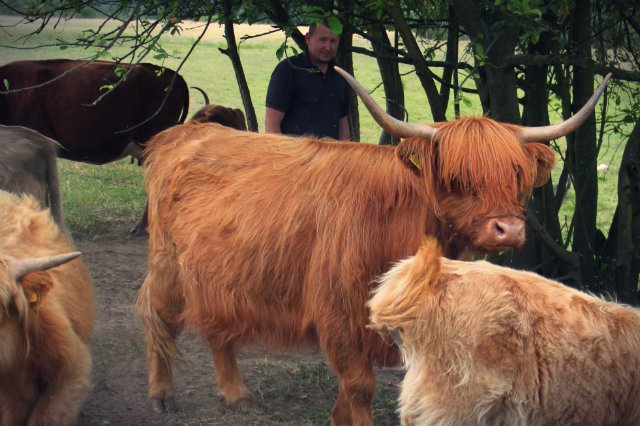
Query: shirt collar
pixel 307 62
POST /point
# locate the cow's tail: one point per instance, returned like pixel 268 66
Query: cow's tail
pixel 53 183
pixel 185 105
pixel 159 337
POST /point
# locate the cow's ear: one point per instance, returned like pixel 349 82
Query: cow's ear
pixel 406 289
pixel 416 154
pixel 544 161
pixel 35 285
pixel 241 120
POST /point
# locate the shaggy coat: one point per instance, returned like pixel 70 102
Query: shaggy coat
pixel 272 239
pixel 210 113
pixel 488 345
pixel 46 320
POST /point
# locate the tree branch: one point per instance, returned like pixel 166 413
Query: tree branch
pixel 572 60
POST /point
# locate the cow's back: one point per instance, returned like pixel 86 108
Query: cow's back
pixel 75 108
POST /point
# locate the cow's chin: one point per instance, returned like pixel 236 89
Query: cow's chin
pixel 476 248
pixel 482 247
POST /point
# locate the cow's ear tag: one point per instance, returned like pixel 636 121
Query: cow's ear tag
pixel 32 297
pixel 415 160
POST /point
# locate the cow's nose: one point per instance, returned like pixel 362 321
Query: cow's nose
pixel 507 231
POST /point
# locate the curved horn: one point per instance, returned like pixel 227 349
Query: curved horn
pixel 21 267
pixel 390 124
pixel 547 133
pixel 206 98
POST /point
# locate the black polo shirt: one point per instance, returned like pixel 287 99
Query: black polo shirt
pixel 313 103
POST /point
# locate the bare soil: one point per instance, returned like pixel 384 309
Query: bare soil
pixel 289 389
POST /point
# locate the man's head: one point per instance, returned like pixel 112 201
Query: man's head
pixel 322 44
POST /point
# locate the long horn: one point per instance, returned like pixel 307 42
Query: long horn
pixel 206 98
pixel 21 267
pixel 390 124
pixel 547 133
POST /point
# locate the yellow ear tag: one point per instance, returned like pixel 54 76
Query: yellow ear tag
pixel 416 162
pixel 32 297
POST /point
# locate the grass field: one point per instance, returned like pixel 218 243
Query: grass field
pixel 97 198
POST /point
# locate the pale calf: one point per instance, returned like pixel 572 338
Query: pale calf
pixel 488 345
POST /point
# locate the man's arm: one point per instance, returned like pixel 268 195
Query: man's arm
pixel 343 129
pixel 272 120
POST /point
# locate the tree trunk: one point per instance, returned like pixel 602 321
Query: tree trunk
pixel 232 52
pixel 621 253
pixel 536 254
pixel 422 70
pixel 345 59
pixel 499 87
pixel 390 74
pixel 451 57
pixel 583 150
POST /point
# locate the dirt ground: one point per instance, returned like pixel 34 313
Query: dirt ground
pixel 289 389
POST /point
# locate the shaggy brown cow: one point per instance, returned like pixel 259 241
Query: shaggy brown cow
pixel 209 113
pixel 28 164
pixel 488 345
pixel 46 319
pixel 275 239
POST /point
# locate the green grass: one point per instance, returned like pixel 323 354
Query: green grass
pixel 99 198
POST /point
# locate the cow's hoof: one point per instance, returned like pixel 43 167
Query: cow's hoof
pixel 164 405
pixel 138 232
pixel 242 405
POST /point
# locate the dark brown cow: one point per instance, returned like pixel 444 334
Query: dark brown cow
pixel 28 164
pixel 211 113
pixel 274 239
pixel 63 110
pixel 46 319
pixel 488 345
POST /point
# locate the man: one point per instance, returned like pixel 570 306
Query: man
pixel 306 96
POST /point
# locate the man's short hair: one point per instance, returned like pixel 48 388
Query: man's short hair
pixel 314 25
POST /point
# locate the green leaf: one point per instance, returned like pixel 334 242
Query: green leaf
pixel 309 10
pixel 120 71
pixel 6 83
pixel 106 87
pixel 535 37
pixel 335 25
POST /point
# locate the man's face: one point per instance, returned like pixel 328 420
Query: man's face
pixel 322 45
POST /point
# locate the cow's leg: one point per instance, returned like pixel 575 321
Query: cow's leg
pixel 160 303
pixel 161 383
pixel 232 388
pixel 357 380
pixel 140 230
